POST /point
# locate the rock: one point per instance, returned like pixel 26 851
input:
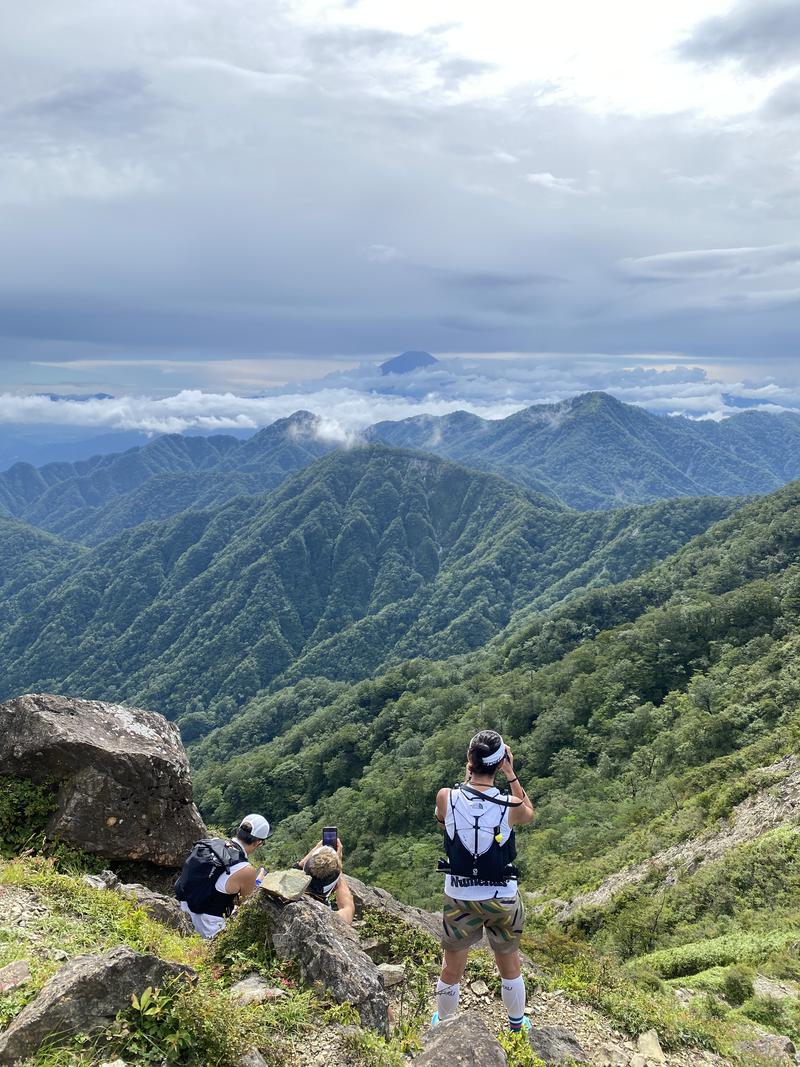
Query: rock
pixel 285 885
pixel 162 908
pixel 556 1044
pixel 464 1041
pixel 83 997
pixel 254 990
pixel 650 1047
pixel 480 988
pixel 253 1058
pixel 114 1063
pixel 769 1046
pixel 94 881
pixel 637 1060
pixel 14 974
pixel 124 789
pixel 327 951
pixel 392 974
pixel 367 896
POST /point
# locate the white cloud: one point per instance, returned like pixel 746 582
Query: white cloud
pixel 546 180
pixel 350 400
pixel 713 262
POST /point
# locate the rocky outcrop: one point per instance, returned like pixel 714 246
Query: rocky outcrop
pixel 124 789
pixel 163 909
pixel 367 896
pixel 328 953
pixel 465 1041
pixel 82 998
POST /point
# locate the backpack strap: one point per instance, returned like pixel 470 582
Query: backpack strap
pixel 504 803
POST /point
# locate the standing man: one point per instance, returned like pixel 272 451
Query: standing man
pixel 217 874
pixel 481 891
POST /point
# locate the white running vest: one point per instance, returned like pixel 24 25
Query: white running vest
pixel 460 819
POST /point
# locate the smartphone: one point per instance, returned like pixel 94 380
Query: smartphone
pixel 330 835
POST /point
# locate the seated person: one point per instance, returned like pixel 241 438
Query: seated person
pixel 217 874
pixel 324 866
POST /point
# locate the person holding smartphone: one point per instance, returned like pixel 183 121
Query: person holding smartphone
pixel 481 891
pixel 323 864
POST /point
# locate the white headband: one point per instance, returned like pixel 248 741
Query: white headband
pixel 495 757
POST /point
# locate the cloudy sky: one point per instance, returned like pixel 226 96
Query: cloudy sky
pixel 232 196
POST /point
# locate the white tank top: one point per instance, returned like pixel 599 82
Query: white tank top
pixel 460 818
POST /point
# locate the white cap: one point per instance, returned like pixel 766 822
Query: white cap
pixel 256 825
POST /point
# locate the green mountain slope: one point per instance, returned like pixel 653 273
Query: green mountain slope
pixel 593 451
pixel 639 714
pixel 366 557
pixel 28 555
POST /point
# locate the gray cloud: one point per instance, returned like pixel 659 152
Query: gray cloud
pixel 226 181
pixel 759 34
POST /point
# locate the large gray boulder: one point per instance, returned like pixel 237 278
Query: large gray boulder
pixel 556 1045
pixel 464 1041
pixel 327 952
pixel 82 998
pixel 124 788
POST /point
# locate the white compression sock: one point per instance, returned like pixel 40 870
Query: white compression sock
pixel 514 1000
pixel 447 999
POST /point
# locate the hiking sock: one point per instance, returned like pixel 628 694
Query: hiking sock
pixel 447 999
pixel 514 1000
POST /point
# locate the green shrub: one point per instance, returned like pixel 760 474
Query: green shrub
pixel 737 985
pixel 769 1012
pixel 24 811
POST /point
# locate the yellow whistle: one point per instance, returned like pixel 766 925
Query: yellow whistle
pixel 498 838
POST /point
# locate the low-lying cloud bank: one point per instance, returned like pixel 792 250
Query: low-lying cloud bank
pixel 351 400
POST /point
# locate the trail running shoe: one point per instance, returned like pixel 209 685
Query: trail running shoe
pixel 526 1026
pixel 435 1019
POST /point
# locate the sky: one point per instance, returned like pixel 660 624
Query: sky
pixel 234 198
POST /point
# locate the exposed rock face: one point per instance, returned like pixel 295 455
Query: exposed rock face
pixel 556 1045
pixel 82 998
pixel 124 789
pixel 328 952
pixel 465 1041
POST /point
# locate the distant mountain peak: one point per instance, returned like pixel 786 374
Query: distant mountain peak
pixel 407 362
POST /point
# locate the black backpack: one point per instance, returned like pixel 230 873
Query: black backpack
pixel 204 864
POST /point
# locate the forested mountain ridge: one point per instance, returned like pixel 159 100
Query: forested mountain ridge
pixel 94 499
pixel 590 452
pixel 366 557
pixel 593 451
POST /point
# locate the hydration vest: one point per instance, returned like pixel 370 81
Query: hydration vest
pixel 481 850
pixel 196 883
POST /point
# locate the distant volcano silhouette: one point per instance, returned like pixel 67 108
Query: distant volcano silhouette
pixel 407 362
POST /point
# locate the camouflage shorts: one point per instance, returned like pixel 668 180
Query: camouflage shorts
pixel 463 923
